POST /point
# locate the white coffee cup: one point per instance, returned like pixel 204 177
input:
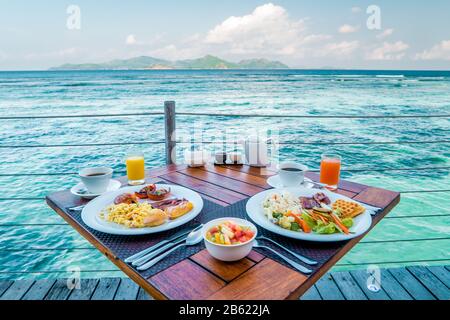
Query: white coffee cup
pixel 96 179
pixel 291 174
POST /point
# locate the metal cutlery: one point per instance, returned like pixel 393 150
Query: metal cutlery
pixel 298 256
pixel 176 236
pixel 77 208
pixel 292 263
pixel 193 238
pixel 140 261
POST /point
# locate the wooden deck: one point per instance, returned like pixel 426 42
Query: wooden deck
pixel 411 283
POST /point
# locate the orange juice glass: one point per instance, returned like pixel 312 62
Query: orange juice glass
pixel 135 168
pixel 330 170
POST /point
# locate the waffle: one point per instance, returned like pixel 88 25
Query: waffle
pixel 348 209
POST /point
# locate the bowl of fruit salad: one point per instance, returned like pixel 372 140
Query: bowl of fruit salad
pixel 229 239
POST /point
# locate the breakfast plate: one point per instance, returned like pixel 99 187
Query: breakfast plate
pixel 260 211
pixel 94 213
pixel 80 189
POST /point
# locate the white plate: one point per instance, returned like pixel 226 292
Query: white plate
pixel 91 213
pixel 255 211
pixel 275 182
pixel 81 191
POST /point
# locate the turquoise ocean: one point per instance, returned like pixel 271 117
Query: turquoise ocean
pixel 36 242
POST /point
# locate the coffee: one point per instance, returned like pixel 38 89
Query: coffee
pixel 95 174
pixel 292 169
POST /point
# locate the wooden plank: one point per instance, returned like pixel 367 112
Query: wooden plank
pixel 237 175
pixel 39 289
pixel 392 287
pixel 152 173
pixel 361 277
pixel 186 280
pixel 348 286
pixel 259 172
pixel 128 290
pixel 59 291
pixel 377 197
pixel 311 294
pixel 17 290
pixel 255 256
pixel 106 289
pixel 4 285
pixel 225 271
pixel 203 187
pixel 223 182
pixel 142 295
pixel 267 280
pixel 441 273
pixel 87 288
pixel 328 289
pixel 431 282
pixel 411 284
pixel 346 193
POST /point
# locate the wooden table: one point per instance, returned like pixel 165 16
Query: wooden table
pixel 202 277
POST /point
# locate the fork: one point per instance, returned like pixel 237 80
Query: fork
pixel 298 256
pixel 294 264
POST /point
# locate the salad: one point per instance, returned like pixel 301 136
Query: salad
pixel 229 233
pixel 306 214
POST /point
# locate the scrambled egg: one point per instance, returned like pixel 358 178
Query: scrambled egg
pixel 135 215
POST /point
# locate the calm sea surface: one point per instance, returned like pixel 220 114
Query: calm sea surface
pixel 34 239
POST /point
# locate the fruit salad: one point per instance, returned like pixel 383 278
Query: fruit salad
pixel 229 233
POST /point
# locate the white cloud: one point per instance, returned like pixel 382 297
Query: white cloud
pixel 343 48
pixel 268 28
pixel 388 51
pixel 131 40
pixel 173 52
pixel 386 33
pixel 440 51
pixel 346 28
pixel 268 31
pixel 356 9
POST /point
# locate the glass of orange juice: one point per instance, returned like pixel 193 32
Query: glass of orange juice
pixel 135 168
pixel 330 170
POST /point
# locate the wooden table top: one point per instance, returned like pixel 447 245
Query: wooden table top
pixel 201 276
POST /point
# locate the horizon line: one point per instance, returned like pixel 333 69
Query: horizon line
pixel 230 69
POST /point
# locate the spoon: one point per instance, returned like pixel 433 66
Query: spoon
pixel 192 239
pixel 292 263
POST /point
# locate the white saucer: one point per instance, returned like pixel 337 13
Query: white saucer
pixel 81 191
pixel 275 182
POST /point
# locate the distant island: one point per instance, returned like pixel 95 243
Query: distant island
pixel 150 63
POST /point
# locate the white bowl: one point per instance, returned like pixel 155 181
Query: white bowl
pixel 232 252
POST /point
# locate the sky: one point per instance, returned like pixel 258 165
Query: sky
pixel 400 34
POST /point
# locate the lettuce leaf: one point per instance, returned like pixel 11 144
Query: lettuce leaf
pixel 309 221
pixel 323 228
pixel 348 222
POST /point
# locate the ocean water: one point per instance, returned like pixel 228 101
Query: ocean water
pixel 35 242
